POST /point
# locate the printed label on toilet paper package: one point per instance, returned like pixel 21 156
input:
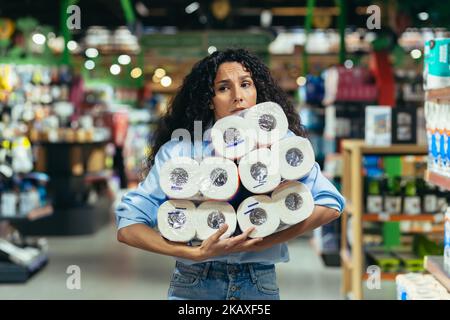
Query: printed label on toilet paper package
pixel 232 137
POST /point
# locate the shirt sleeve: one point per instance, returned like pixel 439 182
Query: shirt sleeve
pixel 141 204
pixel 323 191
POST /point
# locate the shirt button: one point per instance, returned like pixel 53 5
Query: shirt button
pixel 233 288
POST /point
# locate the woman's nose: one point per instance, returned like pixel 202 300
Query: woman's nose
pixel 238 95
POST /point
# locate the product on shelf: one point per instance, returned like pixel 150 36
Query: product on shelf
pixel 438 132
pixel 447 240
pixel 374 200
pixel 436 71
pixel 416 286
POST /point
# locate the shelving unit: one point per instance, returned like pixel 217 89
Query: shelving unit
pixel 435 264
pixel 78 171
pixel 32 215
pixel 11 272
pixel 352 189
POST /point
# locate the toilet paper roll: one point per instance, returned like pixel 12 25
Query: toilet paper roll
pixel 270 122
pixel 296 157
pixel 232 137
pixel 259 172
pixel 293 201
pixel 176 220
pixel 219 178
pixel 179 178
pixel 258 212
pixel 210 215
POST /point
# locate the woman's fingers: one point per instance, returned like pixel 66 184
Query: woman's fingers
pixel 223 228
pixel 240 238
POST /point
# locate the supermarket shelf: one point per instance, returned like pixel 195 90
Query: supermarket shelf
pixel 437 179
pixel 33 215
pixel 361 146
pixel 435 265
pixel 388 276
pixel 434 229
pixel 397 217
pixel 438 95
pixel 352 187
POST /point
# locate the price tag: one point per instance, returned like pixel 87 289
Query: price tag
pixel 383 216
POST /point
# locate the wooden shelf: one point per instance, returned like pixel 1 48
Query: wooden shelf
pixel 434 229
pixel 361 146
pixel 346 258
pixel 437 179
pixel 397 217
pixel 388 276
pixel 435 266
pixel 438 95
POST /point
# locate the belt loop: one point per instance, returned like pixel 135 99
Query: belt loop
pixel 205 270
pixel 252 273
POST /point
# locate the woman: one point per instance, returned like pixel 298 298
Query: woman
pixel 221 84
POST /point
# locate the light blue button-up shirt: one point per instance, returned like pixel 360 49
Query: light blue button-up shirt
pixel 141 205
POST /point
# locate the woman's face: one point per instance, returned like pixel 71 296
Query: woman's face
pixel 234 90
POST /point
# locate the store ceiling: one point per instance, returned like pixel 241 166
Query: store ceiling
pixel 158 13
pixel 237 14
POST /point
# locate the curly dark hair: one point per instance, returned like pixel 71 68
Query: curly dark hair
pixel 193 100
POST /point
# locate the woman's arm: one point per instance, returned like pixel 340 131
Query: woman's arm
pixel 141 236
pixel 320 216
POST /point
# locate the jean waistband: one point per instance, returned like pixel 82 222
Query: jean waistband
pixel 220 267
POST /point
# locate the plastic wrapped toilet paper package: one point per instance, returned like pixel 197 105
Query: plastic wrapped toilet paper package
pixel 293 201
pixel 232 137
pixel 296 157
pixel 210 215
pixel 269 120
pixel 258 212
pixel 219 178
pixel 176 220
pixel 259 172
pixel 179 178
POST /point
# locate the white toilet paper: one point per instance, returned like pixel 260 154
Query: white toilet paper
pixel 210 215
pixel 258 212
pixel 293 201
pixel 179 178
pixel 232 137
pixel 270 120
pixel 176 220
pixel 259 172
pixel 296 157
pixel 219 178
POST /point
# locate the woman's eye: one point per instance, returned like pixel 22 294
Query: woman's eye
pixel 246 84
pixel 222 89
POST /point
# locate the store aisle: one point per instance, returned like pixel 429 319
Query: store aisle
pixel 110 270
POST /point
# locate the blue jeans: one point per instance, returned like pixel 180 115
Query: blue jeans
pixel 221 281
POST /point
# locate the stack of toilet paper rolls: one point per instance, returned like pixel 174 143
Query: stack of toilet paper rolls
pixel 268 166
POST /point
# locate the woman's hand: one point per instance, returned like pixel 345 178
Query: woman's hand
pixel 214 246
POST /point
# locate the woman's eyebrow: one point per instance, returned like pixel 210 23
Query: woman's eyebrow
pixel 228 80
